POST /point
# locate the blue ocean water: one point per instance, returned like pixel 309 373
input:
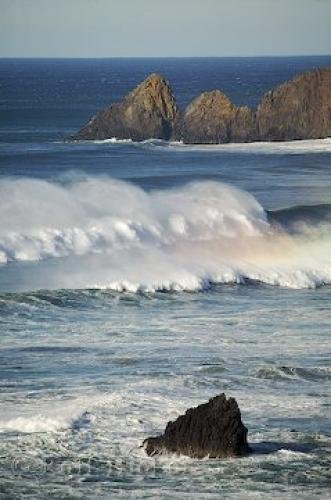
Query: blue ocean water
pixel 138 279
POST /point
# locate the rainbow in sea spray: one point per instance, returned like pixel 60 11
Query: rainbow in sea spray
pixel 106 233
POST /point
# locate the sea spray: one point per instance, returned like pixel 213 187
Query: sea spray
pixel 101 232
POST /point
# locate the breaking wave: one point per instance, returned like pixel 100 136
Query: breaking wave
pixel 283 147
pixel 105 233
pixel 42 423
pixel 111 140
pixel 289 372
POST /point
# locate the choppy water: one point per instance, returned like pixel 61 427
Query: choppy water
pixel 137 280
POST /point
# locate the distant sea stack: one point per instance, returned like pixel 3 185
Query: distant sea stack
pixel 149 111
pixel 213 119
pixel 297 109
pixel 212 429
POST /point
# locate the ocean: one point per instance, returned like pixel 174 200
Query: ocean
pixel 140 279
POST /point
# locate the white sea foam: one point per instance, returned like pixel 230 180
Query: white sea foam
pixel 35 423
pixel 111 140
pixel 50 421
pixel 282 147
pixel 274 147
pixel 46 416
pixel 112 234
pixel 286 147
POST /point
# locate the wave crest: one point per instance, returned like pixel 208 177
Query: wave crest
pixel 107 233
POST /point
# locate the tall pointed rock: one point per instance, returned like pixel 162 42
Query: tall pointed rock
pixel 149 111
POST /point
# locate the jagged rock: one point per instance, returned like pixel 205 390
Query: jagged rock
pixel 243 125
pixel 147 112
pixel 298 109
pixel 206 119
pixel 213 119
pixel 211 429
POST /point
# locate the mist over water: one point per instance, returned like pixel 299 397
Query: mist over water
pixel 119 236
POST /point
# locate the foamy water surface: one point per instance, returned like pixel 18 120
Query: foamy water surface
pixel 139 279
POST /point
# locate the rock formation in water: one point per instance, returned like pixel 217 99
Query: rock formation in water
pixel 298 109
pixel 212 429
pixel 213 119
pixel 149 111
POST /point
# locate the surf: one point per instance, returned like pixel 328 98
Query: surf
pixel 105 233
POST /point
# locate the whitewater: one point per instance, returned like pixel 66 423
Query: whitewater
pixel 118 236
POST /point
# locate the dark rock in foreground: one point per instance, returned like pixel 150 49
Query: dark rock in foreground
pixel 211 429
pixel 298 109
pixel 149 111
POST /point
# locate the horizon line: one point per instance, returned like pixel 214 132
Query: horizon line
pixel 171 57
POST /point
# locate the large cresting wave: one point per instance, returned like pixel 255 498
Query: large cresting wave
pixel 101 232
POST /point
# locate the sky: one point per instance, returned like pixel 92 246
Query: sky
pixel 163 28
